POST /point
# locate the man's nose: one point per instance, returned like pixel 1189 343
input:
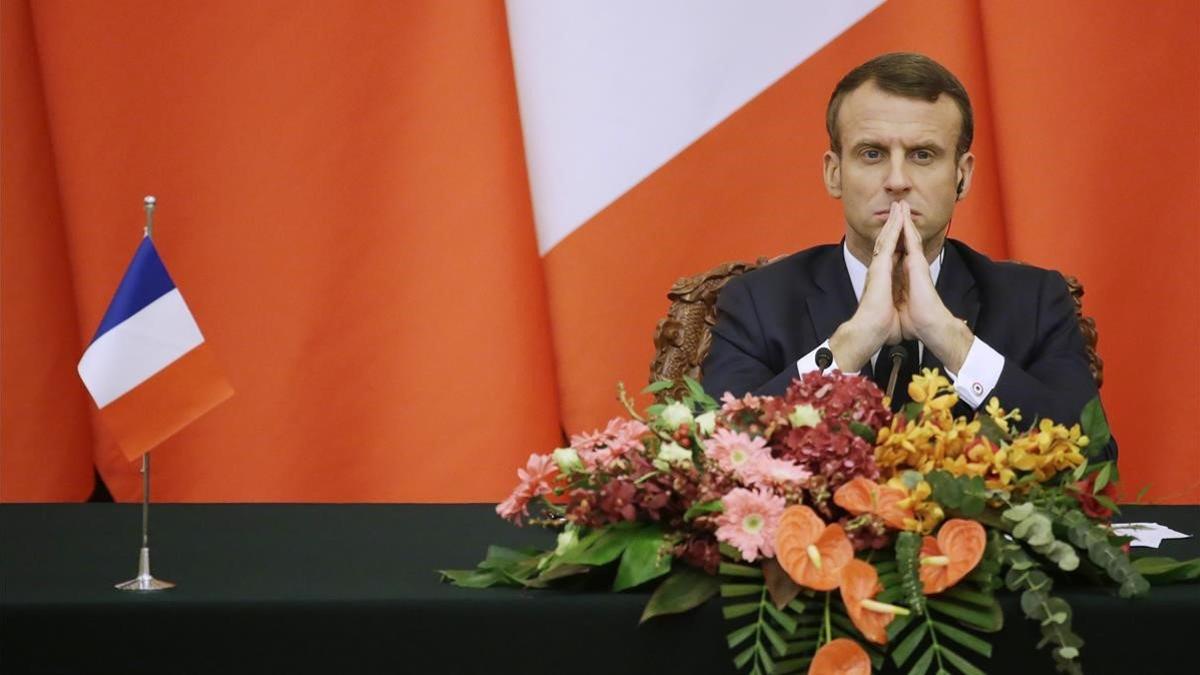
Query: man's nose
pixel 897 181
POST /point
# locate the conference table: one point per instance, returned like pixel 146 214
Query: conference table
pixel 354 588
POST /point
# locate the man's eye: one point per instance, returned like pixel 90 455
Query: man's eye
pixel 872 154
pixel 922 155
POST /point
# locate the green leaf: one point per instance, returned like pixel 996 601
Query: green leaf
pixel 962 637
pixel 1095 426
pixel 981 619
pixel 767 662
pixel 962 664
pixel 739 590
pixel 774 638
pixel 658 386
pixel 645 558
pixel 1161 569
pixel 792 665
pixel 787 623
pixel 989 429
pixel 961 592
pixel 555 572
pixel 922 663
pixel 701 508
pixel 739 636
pixel 863 431
pixel 912 410
pixel 746 654
pixel 476 578
pixel 739 610
pixel 1141 493
pixel 1102 478
pixel 604 545
pixel 910 642
pixel 699 395
pixel 735 570
pixel 686 588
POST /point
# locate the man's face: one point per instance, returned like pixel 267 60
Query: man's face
pixel 896 148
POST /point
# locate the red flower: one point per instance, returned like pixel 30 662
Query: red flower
pixel 1088 502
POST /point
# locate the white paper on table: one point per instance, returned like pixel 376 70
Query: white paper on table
pixel 1149 535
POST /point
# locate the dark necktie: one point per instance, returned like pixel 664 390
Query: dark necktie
pixel 883 370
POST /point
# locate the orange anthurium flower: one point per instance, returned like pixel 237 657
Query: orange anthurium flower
pixel 956 551
pixel 860 583
pixel 842 656
pixel 863 495
pixel 811 552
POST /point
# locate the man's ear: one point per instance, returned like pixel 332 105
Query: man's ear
pixel 832 170
pixel 966 168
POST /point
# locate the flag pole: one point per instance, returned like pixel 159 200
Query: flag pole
pixel 144 581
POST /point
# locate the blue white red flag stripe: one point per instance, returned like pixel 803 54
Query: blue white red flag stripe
pixel 147 368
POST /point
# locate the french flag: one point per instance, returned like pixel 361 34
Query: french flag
pixel 148 367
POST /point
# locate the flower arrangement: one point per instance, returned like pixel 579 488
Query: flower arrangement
pixel 837 533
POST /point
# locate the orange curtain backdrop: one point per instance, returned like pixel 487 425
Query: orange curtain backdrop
pixel 1086 142
pixel 45 436
pixel 343 204
pixel 1096 107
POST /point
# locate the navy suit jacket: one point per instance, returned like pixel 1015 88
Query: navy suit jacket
pixel 768 318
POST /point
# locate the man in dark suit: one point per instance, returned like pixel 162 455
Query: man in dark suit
pixel 900 129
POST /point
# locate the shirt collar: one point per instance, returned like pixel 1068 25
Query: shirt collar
pixel 858 271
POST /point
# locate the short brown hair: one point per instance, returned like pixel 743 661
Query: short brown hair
pixel 903 74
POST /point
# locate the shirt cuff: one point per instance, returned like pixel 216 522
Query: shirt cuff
pixel 979 374
pixel 808 362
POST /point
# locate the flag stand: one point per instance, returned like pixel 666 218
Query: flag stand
pixel 144 581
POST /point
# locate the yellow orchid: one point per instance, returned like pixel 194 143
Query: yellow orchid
pixel 932 389
pixel 926 512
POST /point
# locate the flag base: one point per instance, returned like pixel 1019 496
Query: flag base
pixel 143 581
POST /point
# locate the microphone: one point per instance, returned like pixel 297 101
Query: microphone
pixel 824 358
pixel 898 354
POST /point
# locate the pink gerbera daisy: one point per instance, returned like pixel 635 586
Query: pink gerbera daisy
pixel 738 453
pixel 749 520
pixel 535 481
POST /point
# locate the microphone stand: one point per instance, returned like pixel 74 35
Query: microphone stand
pixel 898 354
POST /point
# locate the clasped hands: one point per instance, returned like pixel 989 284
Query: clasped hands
pixel 899 302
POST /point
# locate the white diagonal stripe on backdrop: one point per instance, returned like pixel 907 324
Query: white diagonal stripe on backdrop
pixel 610 90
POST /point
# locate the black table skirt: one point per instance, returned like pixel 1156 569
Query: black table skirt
pixel 297 588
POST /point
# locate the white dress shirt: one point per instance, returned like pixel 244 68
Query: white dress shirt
pixel 980 370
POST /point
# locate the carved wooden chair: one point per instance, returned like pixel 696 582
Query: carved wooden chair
pixel 683 338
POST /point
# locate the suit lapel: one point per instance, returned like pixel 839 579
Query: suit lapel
pixel 956 287
pixel 834 302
